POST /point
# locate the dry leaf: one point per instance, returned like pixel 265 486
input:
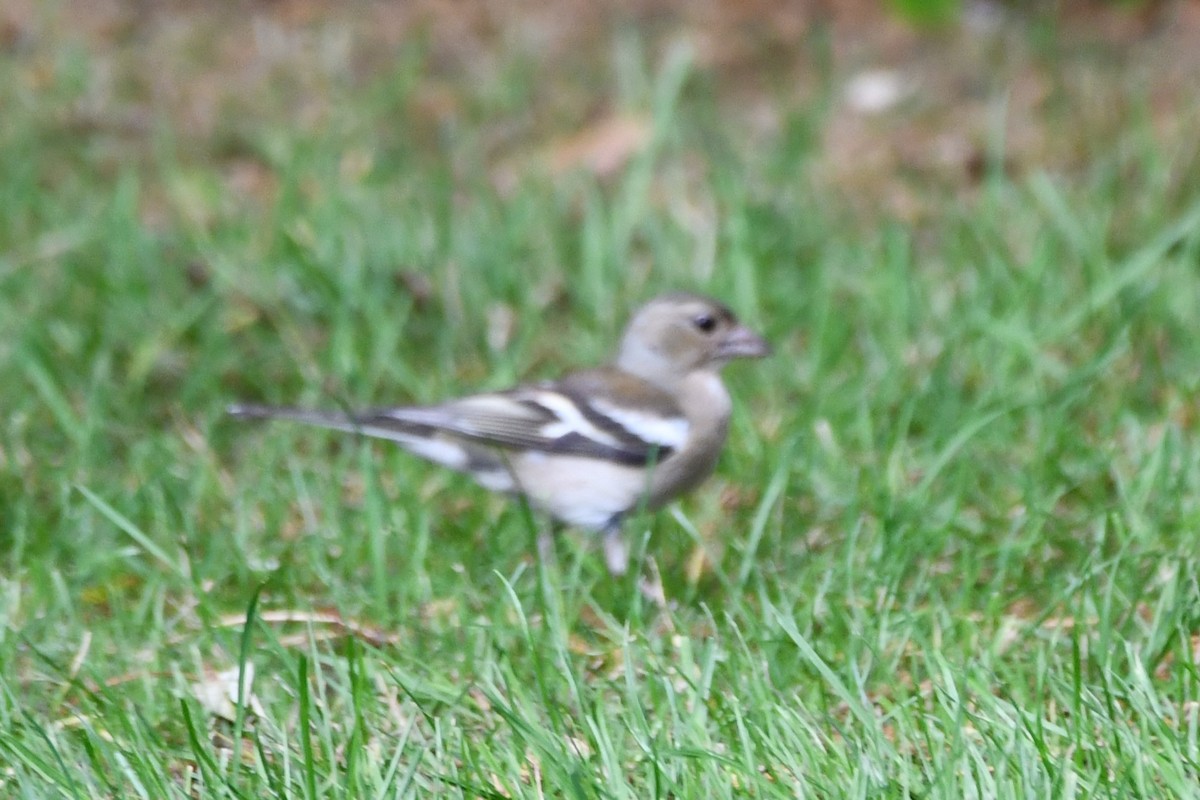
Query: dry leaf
pixel 602 149
pixel 218 693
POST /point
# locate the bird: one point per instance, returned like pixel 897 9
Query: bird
pixel 596 445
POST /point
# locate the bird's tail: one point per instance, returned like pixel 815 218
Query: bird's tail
pixel 417 436
pixel 325 419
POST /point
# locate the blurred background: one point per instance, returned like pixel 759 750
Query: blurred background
pixel 881 96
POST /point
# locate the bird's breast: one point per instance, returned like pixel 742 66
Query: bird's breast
pixel 706 405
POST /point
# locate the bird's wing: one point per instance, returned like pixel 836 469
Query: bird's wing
pixel 582 415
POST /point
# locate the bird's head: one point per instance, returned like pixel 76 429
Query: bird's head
pixel 676 334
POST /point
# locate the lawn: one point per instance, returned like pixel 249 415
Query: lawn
pixel 951 549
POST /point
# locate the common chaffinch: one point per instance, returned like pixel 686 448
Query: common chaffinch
pixel 597 444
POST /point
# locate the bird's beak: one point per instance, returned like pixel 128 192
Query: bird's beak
pixel 741 342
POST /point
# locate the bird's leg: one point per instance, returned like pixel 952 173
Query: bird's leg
pixel 545 543
pixel 651 586
pixel 616 550
pixel 616 555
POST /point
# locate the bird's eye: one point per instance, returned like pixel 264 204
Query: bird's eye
pixel 705 322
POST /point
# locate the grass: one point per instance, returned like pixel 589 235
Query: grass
pixel 950 552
